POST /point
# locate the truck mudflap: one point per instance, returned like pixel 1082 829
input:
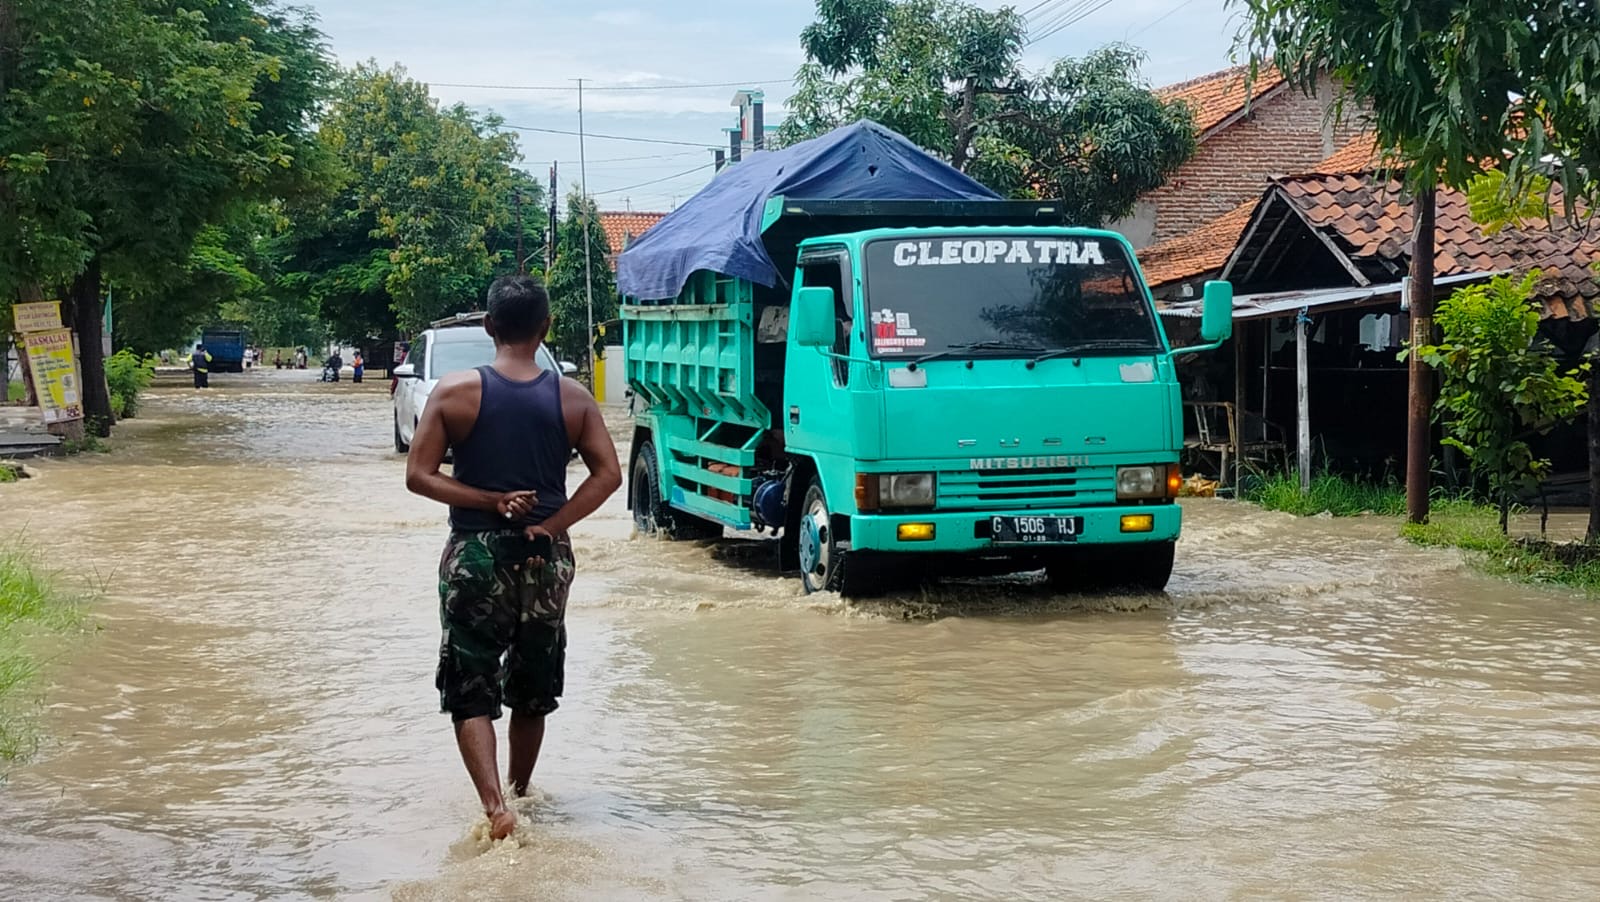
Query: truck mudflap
pixel 1024 533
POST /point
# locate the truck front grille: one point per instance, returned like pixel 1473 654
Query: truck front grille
pixel 984 490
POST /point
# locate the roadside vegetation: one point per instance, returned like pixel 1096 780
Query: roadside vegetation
pixel 1475 529
pixel 14 392
pixel 128 375
pixel 1330 493
pixel 33 606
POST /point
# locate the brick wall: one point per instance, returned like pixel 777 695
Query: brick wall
pixel 1285 134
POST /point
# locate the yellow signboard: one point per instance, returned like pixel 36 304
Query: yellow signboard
pixel 55 374
pixel 37 317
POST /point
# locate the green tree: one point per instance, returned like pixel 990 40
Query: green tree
pixel 949 76
pixel 126 128
pixel 1450 87
pixel 422 216
pixel 435 183
pixel 1499 387
pixel 569 303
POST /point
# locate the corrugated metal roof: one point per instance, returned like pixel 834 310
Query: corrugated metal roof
pixel 1283 303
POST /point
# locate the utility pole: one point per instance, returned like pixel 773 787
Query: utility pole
pixel 550 227
pixel 588 278
pixel 522 261
pixel 1419 433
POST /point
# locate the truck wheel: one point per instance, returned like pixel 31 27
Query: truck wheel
pixel 651 513
pixel 1143 568
pixel 400 446
pixel 826 565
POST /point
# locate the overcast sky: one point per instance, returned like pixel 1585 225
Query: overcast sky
pixel 494 44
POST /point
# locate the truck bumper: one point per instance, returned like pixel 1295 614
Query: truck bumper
pixel 969 532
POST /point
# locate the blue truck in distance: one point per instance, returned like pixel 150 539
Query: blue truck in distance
pixel 226 347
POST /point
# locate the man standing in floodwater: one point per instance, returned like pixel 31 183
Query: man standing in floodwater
pixel 200 362
pixel 508 564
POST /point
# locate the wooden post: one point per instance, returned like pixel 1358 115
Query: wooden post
pixel 1266 367
pixel 1302 376
pixel 1419 415
pixel 1237 414
pixel 1593 534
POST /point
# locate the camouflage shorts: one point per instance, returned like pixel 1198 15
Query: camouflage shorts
pixel 504 625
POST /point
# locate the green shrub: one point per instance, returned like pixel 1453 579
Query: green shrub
pixel 127 374
pixel 1499 387
pixel 15 392
pixel 1336 495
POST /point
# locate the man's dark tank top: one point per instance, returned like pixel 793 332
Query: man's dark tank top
pixel 518 442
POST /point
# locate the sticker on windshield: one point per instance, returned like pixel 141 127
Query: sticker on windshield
pixel 892 332
pixel 997 250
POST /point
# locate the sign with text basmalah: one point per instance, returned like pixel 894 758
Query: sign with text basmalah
pixel 42 316
pixel 55 374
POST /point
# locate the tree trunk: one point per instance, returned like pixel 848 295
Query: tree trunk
pixel 1594 448
pixel 88 319
pixel 1419 434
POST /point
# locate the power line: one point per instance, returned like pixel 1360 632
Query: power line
pixel 691 87
pixel 1159 19
pixel 1053 13
pixel 658 181
pixel 1088 7
pixel 560 131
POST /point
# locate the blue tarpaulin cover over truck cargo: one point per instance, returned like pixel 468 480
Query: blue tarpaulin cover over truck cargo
pixel 719 229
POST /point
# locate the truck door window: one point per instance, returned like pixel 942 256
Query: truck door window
pixel 833 272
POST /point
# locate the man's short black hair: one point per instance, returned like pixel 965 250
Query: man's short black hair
pixel 518 307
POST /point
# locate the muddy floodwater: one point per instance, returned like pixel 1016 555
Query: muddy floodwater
pixel 1316 710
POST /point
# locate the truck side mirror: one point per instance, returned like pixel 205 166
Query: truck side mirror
pixel 812 319
pixel 1216 312
pixel 404 371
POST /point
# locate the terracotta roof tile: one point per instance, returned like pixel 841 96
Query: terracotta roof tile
pixel 621 227
pixel 1204 250
pixel 1371 221
pixel 1219 95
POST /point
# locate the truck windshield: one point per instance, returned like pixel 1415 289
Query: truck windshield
pixel 1005 295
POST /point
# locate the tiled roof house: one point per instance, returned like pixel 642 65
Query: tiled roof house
pixel 1346 223
pixel 622 227
pixel 1247 133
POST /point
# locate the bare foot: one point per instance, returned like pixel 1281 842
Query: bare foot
pixel 501 823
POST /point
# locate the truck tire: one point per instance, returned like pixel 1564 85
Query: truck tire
pixel 652 515
pixel 400 446
pixel 826 563
pixel 1143 568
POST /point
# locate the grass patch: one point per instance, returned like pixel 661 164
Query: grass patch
pixel 1331 494
pixel 31 604
pixel 1475 528
pixel 89 444
pixel 9 472
pixel 15 393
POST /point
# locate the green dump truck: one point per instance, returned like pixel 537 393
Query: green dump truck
pixel 958 384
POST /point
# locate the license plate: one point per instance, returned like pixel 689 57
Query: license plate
pixel 1036 530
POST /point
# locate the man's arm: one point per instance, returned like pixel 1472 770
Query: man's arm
pixel 599 454
pixel 427 456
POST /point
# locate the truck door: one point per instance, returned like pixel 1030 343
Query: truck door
pixel 816 409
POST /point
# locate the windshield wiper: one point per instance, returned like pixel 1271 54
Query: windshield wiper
pixel 1101 344
pixel 990 345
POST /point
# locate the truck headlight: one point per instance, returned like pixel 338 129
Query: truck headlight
pixel 906 489
pixel 1141 483
pixel 885 490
